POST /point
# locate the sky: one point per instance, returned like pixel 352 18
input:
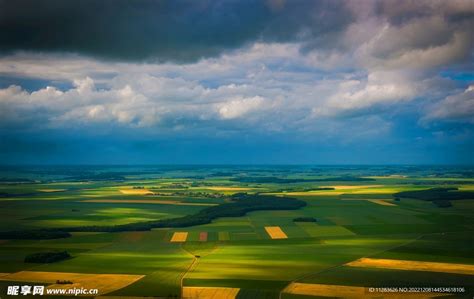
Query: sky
pixel 237 82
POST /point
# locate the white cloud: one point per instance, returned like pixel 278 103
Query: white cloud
pixel 457 107
pixel 379 88
pixel 237 107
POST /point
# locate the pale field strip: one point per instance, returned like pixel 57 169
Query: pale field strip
pixel 51 190
pixel 152 201
pixel 105 283
pixel 209 293
pixel 413 266
pixel 376 201
pixel 342 291
pixel 179 237
pixel 382 202
pixel 348 187
pixel 275 232
pixel 135 191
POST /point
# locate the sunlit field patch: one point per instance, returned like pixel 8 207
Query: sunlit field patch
pixel 325 290
pixel 466 188
pixel 179 237
pixel 348 187
pixel 342 291
pixel 135 191
pixel 105 283
pixel 209 293
pixel 150 201
pixel 413 265
pixel 275 232
pixel 382 202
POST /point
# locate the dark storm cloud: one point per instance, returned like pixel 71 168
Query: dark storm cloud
pixel 162 30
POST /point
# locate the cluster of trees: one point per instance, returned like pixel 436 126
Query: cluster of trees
pixel 241 204
pixel 187 193
pixel 47 257
pixel 305 219
pixel 106 176
pixel 436 194
pixel 439 196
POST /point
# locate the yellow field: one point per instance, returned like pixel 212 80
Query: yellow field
pixel 348 187
pixel 275 232
pixel 382 202
pixel 153 201
pixel 209 293
pixel 466 188
pixel 413 266
pixel 382 190
pixel 135 191
pixel 341 291
pixel 179 237
pixel 105 283
pixel 325 290
pixel 51 190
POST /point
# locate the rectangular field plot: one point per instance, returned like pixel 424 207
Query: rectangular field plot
pixel 275 232
pixel 224 236
pixel 343 291
pixel 361 277
pixel 105 283
pixel 413 266
pixel 318 231
pixel 135 191
pixel 203 236
pixel 209 292
pixel 179 237
pixel 325 290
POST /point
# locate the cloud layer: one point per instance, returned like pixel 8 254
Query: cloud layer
pixel 324 72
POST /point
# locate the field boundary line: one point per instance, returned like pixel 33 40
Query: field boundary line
pixel 338 266
pixel 193 264
pixel 366 256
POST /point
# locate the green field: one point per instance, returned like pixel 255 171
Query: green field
pixel 353 221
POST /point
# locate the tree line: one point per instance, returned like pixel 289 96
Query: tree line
pixel 241 204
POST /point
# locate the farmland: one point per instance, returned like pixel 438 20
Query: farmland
pixel 230 232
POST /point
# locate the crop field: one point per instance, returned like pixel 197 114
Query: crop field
pixel 239 232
